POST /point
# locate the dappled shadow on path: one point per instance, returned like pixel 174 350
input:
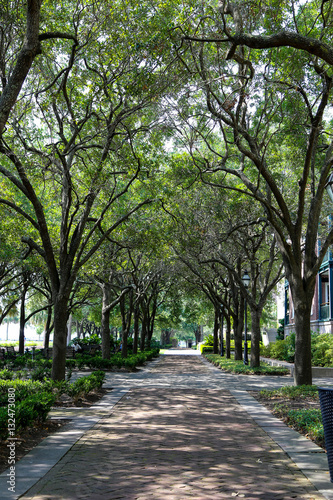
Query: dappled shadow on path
pixel 175 444
pixel 180 364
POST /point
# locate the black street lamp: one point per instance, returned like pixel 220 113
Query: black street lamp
pixel 222 346
pixel 246 281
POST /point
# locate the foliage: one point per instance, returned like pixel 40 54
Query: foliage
pixel 283 350
pixel 321 349
pixel 91 340
pixel 293 392
pixel 305 420
pixel 34 399
pixel 84 385
pixel 6 374
pixel 237 367
pixel 280 330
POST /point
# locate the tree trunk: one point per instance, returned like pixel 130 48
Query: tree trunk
pixel 136 329
pixel 48 328
pixel 60 338
pixel 216 331
pixel 238 335
pixel 105 324
pixel 227 338
pixel 255 337
pixel 143 329
pixel 22 318
pixel 302 363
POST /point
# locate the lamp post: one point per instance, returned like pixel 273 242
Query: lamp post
pixel 222 346
pixel 246 281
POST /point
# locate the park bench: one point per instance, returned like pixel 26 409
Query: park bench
pixel 90 349
pixel 48 352
pixel 11 351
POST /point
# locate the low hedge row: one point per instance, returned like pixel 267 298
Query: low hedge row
pixel 232 366
pixel 42 367
pixel 23 402
pixel 209 348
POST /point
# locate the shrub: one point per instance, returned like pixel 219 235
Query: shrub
pixel 6 374
pixel 322 349
pixel 91 340
pixel 232 366
pixel 34 407
pixel 84 385
pixel 209 340
pixel 70 364
pixel 205 349
pixel 40 373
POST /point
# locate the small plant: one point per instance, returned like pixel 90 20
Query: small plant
pixel 6 374
pixel 70 364
pixel 40 373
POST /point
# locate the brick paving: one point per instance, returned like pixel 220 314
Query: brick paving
pixel 173 444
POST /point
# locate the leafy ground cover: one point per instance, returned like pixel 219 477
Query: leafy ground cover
pixel 237 367
pixel 298 407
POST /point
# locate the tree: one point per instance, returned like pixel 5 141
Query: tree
pixel 77 140
pixel 274 138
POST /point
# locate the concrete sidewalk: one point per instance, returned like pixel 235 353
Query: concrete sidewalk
pixel 174 442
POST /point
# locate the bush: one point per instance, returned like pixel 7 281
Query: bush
pixel 232 366
pixel 91 340
pixel 206 348
pixel 32 403
pixel 70 364
pixel 322 349
pixel 40 373
pixel 6 374
pixel 283 350
pixel 84 385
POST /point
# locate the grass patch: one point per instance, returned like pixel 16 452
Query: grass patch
pixel 232 366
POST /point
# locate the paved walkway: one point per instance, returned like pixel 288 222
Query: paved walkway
pixel 178 429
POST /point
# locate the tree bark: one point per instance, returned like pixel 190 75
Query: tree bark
pixel 105 324
pixel 22 317
pixel 302 362
pixel 136 328
pixel 255 337
pixel 60 337
pixel 216 331
pixel 48 328
pixel 227 338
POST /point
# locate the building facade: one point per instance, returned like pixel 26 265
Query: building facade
pixel 322 304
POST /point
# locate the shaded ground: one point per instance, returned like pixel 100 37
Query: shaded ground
pixel 174 444
pixel 30 437
pixel 179 364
